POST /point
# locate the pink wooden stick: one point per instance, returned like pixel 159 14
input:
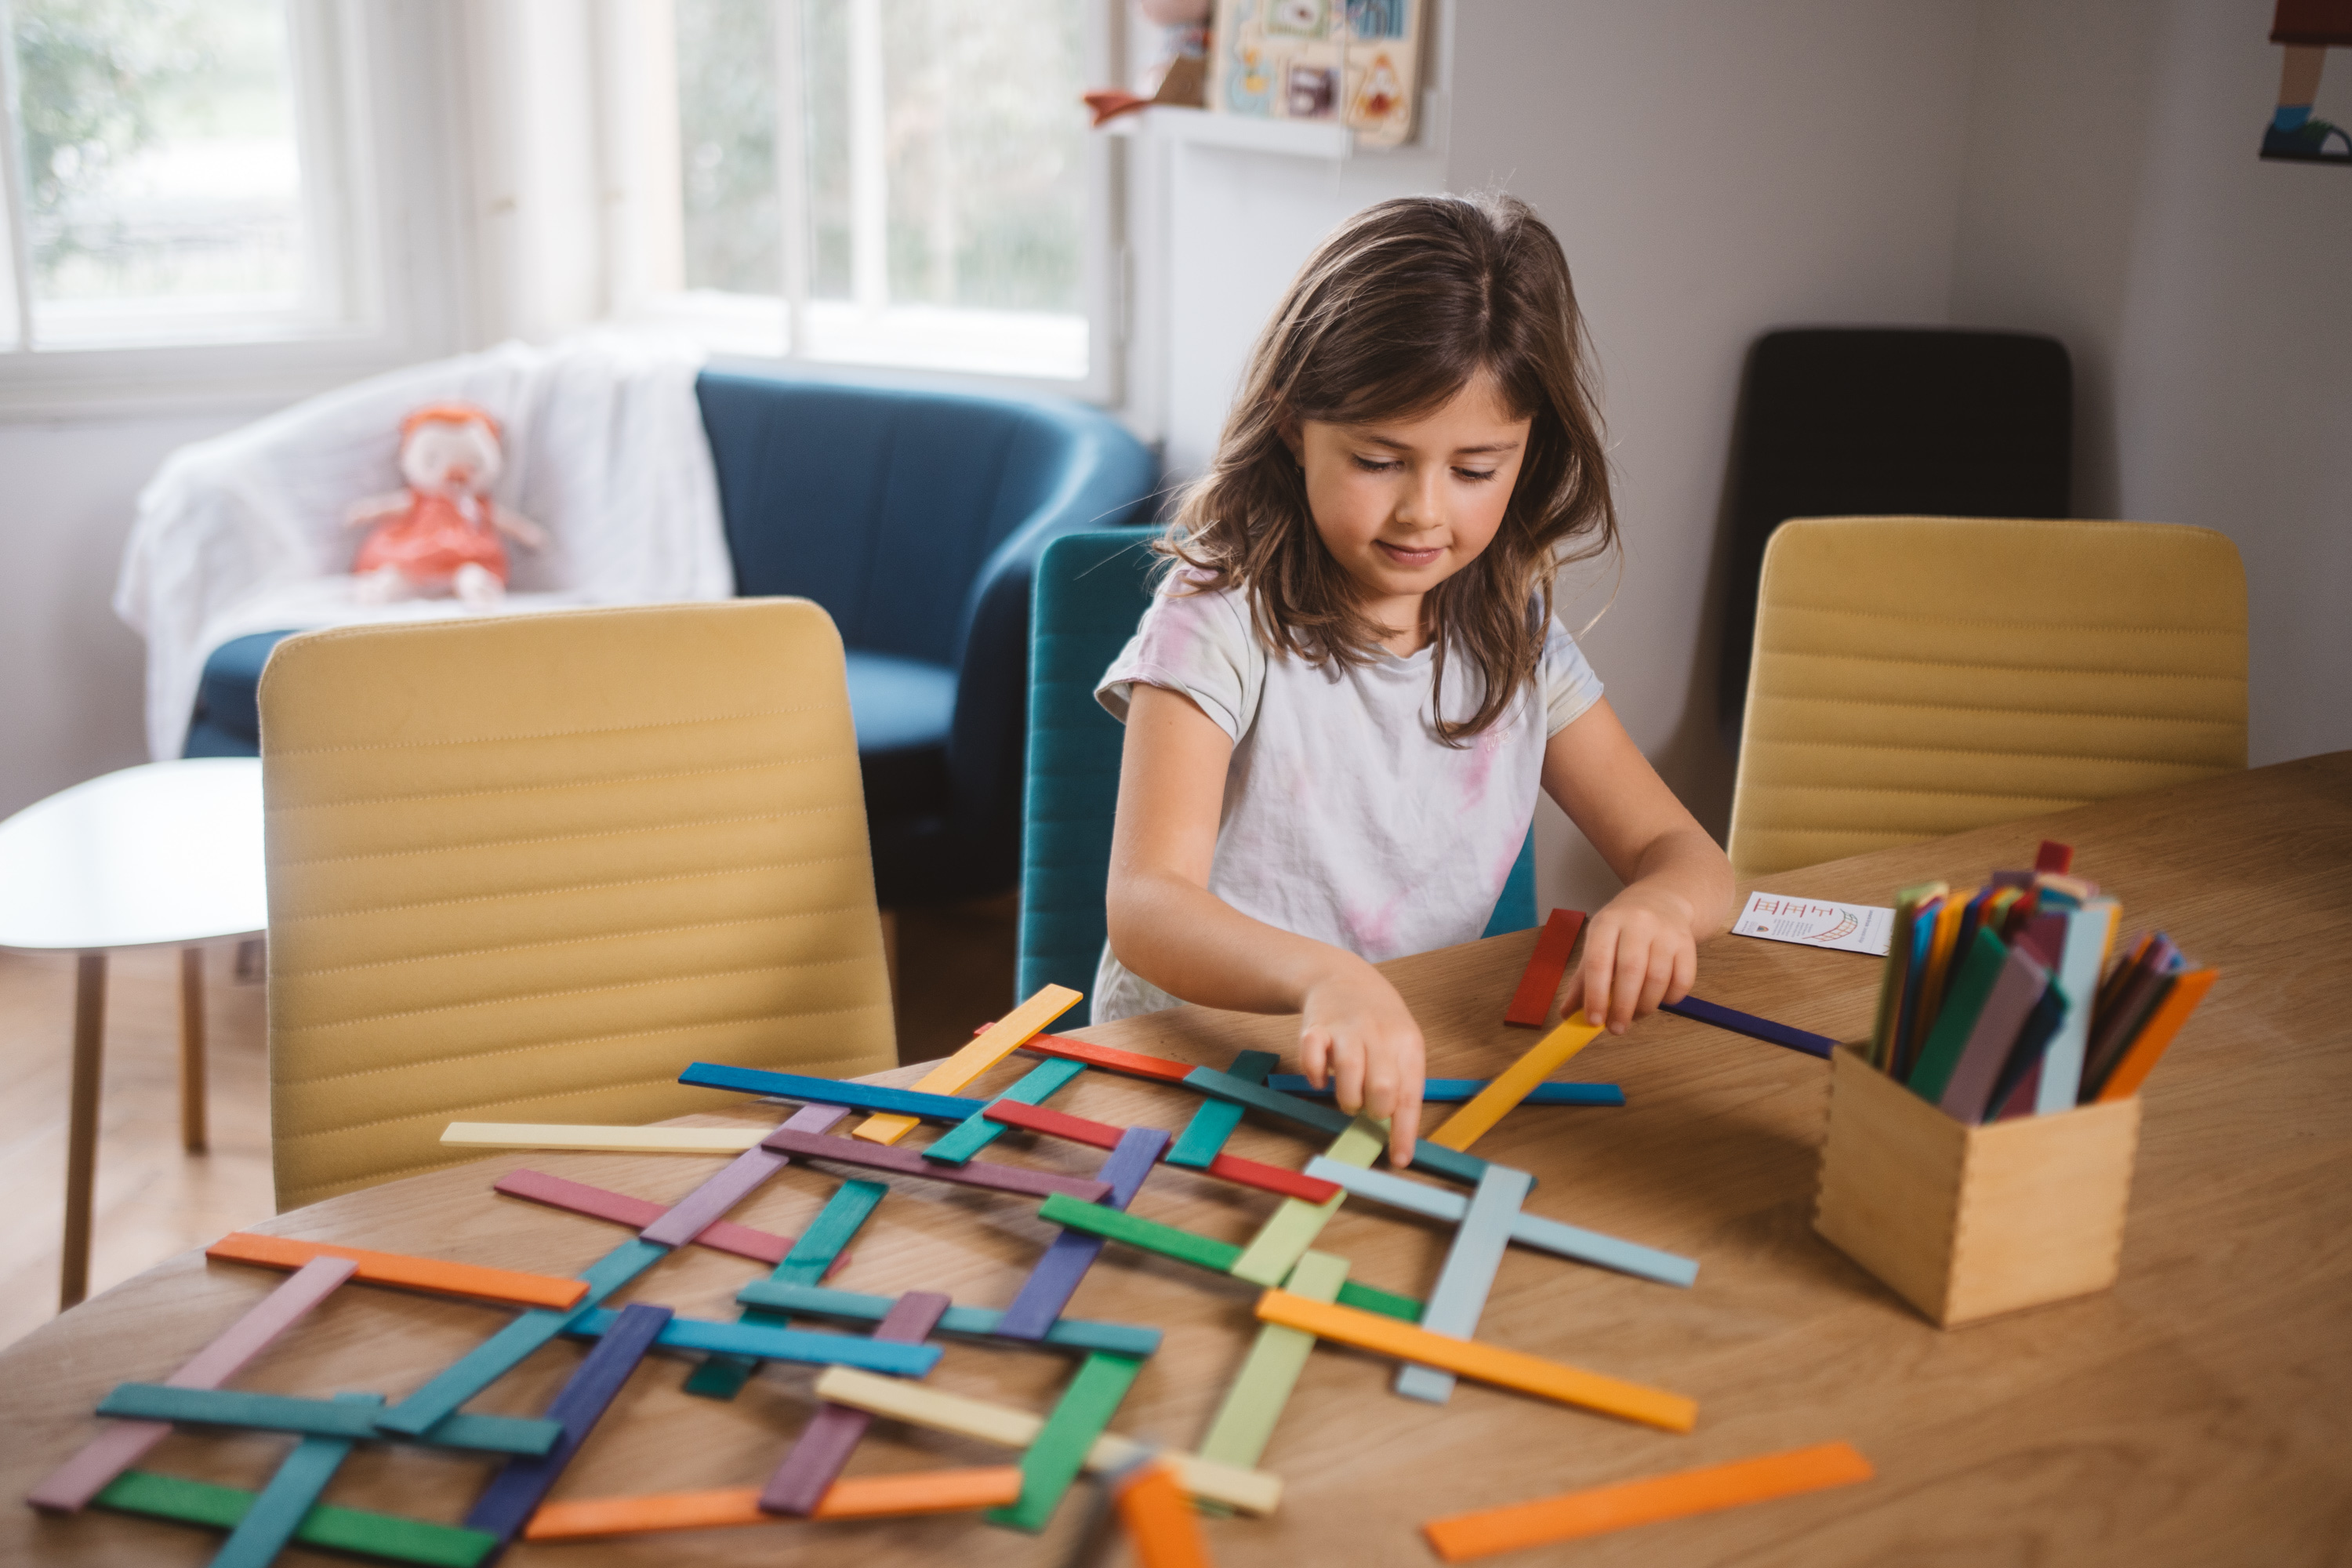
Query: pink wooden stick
pixel 119 1448
pixel 602 1203
pixel 708 1205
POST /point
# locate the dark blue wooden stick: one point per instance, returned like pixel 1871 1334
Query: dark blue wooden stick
pixel 1054 1279
pixel 1747 1023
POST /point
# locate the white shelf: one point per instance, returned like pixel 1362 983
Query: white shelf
pixel 1247 132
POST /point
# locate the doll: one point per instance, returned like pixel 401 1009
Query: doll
pixel 440 535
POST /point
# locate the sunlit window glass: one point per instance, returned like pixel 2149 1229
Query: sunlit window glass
pixel 162 170
pixel 727 145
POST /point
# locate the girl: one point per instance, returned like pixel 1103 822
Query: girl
pixel 1349 687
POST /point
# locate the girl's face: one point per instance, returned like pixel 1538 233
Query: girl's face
pixel 1404 504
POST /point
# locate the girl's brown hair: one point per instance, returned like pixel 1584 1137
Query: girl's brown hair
pixel 1392 316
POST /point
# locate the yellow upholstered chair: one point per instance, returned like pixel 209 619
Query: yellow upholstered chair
pixel 1919 676
pixel 527 868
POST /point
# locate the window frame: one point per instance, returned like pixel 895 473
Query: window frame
pixel 384 213
pixel 636 95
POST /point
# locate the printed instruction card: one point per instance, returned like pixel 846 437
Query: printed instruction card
pixel 1848 927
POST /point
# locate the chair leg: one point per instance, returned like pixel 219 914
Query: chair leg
pixel 82 1126
pixel 192 1049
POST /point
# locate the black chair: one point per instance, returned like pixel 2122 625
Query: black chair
pixel 1887 421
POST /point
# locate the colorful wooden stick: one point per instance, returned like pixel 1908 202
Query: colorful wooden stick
pixel 1528 1230
pixel 977 1132
pixel 316 1417
pixel 1218 1256
pixel 983 1053
pixel 1056 1274
pixel 601 1202
pixel 824 1445
pixel 1160 1522
pixel 504 1351
pixel 601 1139
pixel 326 1526
pixel 1532 1003
pixel 1055 1456
pixel 1484 1362
pixel 517 1489
pixel 433 1274
pixel 1252 1492
pixel 847 1093
pixel 706 1207
pixel 2140 1058
pixel 1701 1011
pixel 1496 1100
pixel 1468 1276
pixel 1292 1228
pixel 71 1484
pixel 1068 1333
pixel 291 1493
pixel 1459 1538
pixel 764 1340
pixel 907 1163
pixel 1109 1057
pixel 1103 1135
pixel 1436 1159
pixel 1455 1090
pixel 811 1258
pixel 1245 1423
pixel 1204 1136
pixel 905 1495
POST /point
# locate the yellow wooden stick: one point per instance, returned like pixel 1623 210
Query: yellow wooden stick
pixel 1485 1363
pixel 1516 1082
pixel 1252 1492
pixel 1002 1037
pixel 603 1140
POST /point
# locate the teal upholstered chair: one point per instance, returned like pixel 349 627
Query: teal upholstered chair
pixel 1090 589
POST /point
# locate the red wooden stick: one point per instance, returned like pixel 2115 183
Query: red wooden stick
pixel 1108 1056
pixel 1531 1004
pixel 1103 1135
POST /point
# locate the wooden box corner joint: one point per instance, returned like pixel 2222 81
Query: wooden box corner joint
pixel 1967 1222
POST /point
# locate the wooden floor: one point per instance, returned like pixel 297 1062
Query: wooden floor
pixel 155 1200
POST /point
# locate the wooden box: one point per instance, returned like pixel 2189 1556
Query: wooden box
pixel 1965 1222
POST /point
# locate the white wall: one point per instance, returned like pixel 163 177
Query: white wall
pixel 1713 170
pixel 2114 199
pixel 70 702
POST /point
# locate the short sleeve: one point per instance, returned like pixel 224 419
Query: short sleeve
pixel 1197 642
pixel 1570 687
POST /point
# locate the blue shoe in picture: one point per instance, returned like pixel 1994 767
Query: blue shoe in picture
pixel 2307 143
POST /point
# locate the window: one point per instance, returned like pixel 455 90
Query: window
pixel 903 183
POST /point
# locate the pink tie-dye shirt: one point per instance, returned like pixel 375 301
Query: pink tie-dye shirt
pixel 1345 818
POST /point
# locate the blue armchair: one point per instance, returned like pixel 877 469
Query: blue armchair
pixel 916 518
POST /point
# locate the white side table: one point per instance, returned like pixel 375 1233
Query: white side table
pixel 165 855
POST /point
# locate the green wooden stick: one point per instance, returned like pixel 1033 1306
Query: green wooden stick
pixel 278 1510
pixel 1285 1237
pixel 976 1131
pixel 335 1528
pixel 723 1376
pixel 1060 1208
pixel 1204 1136
pixel 1052 1460
pixel 1262 1387
pixel 1368 1298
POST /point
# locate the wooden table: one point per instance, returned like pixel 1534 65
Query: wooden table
pixel 165 854
pixel 2194 1414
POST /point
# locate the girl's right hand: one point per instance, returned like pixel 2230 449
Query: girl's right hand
pixel 1355 1026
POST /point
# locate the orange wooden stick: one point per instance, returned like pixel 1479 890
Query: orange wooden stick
pixel 1161 1523
pixel 400 1268
pixel 852 1497
pixel 1463 1536
pixel 2156 1033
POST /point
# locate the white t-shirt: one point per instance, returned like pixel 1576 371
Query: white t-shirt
pixel 1344 817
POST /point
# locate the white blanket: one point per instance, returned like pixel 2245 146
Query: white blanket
pixel 245 533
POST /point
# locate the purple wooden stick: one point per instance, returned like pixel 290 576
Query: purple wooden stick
pixel 119 1448
pixel 517 1490
pixel 907 1163
pixel 801 1482
pixel 1055 1278
pixel 709 1204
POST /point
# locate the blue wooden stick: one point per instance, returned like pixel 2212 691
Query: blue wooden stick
pixel 1454 1091
pixel 516 1491
pixel 875 1097
pixel 1204 1136
pixel 1749 1024
pixel 279 1510
pixel 1055 1278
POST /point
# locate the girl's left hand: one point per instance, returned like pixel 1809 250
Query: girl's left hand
pixel 1638 953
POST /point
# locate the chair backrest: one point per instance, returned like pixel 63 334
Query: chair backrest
pixel 1091 589
pixel 1919 676
pixel 528 869
pixel 1883 422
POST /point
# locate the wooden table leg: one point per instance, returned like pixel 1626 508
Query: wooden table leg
pixel 191 1049
pixel 81 1128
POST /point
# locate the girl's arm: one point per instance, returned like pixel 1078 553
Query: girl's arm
pixel 1166 926
pixel 1642 949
